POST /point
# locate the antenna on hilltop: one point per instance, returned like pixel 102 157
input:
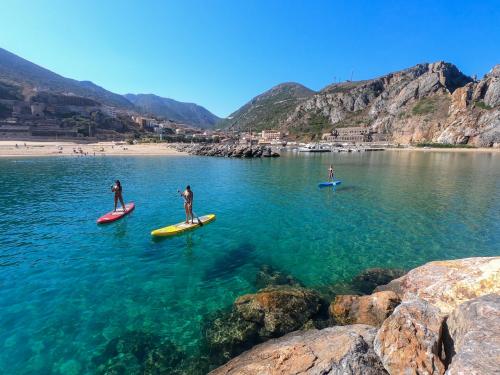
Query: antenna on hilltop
pixel 352 73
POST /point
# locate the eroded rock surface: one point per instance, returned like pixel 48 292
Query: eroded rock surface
pixel 447 284
pixel 336 350
pixel 409 340
pixel 371 310
pixel 473 338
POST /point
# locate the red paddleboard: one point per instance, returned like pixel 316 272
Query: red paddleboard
pixel 115 215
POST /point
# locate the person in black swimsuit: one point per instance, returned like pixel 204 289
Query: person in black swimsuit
pixel 117 189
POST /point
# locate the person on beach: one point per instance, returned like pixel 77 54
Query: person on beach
pixel 117 189
pixel 330 172
pixel 188 196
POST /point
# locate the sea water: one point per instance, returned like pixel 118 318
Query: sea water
pixel 69 286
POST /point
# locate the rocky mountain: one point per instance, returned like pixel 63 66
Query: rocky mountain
pixel 18 71
pixel 188 113
pixel 268 110
pixel 426 103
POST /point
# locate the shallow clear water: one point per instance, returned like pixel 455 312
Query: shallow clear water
pixel 68 286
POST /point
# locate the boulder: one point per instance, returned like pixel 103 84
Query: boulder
pixel 473 337
pixel 371 310
pixel 447 284
pixel 279 309
pixel 335 350
pixel 409 340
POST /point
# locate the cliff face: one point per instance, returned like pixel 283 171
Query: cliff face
pixel 426 103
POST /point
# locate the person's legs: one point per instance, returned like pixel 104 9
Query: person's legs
pixel 191 213
pixel 186 208
pixel 123 204
pixel 116 202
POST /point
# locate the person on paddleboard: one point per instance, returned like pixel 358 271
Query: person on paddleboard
pixel 188 203
pixel 330 172
pixel 117 189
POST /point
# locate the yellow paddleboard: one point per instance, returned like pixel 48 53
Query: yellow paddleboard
pixel 182 227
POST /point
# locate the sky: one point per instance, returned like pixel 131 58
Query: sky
pixel 220 54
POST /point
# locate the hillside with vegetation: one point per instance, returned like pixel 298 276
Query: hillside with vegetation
pixel 268 110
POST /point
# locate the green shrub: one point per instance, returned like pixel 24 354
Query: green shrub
pixel 482 105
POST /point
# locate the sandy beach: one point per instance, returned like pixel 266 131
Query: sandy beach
pixel 37 148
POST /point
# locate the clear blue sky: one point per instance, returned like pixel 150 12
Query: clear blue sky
pixel 222 53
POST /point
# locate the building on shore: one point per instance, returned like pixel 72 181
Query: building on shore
pixel 355 134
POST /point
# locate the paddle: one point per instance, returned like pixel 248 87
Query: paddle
pixel 194 213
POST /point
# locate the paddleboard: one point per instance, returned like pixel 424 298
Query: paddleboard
pixel 329 183
pixel 115 215
pixel 182 227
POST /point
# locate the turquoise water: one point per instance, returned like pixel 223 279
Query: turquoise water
pixel 68 286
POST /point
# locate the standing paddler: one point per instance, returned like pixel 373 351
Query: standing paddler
pixel 188 196
pixel 117 189
pixel 330 173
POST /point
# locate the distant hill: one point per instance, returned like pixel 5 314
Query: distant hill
pixel 268 110
pixel 188 113
pixel 14 69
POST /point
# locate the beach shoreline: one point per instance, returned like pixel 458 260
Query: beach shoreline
pixel 71 148
pixel 12 148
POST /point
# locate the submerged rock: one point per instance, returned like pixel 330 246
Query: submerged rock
pixel 278 310
pixel 472 341
pixel 371 310
pixel 447 284
pixel 366 281
pixel 336 350
pixel 268 276
pixel 140 353
pixel 227 334
pixel 409 340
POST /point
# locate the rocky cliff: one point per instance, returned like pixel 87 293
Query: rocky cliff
pixel 440 318
pixel 426 103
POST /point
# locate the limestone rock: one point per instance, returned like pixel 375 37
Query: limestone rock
pixel 336 351
pixel 447 284
pixel 409 340
pixel 279 309
pixel 474 337
pixel 371 310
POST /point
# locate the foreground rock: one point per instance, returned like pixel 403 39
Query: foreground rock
pixel 447 284
pixel 278 310
pixel 254 318
pixel 371 310
pixel 227 150
pixel 336 350
pixel 474 337
pixel 409 340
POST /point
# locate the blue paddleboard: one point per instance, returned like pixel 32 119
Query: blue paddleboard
pixel 329 183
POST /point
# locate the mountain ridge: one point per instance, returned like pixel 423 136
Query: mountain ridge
pixel 185 112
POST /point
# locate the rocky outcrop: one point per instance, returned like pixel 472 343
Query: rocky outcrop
pixel 473 337
pixel 371 310
pixel 227 150
pixel 278 310
pixel 447 321
pixel 336 350
pixel 409 340
pixel 447 284
pixel 271 312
